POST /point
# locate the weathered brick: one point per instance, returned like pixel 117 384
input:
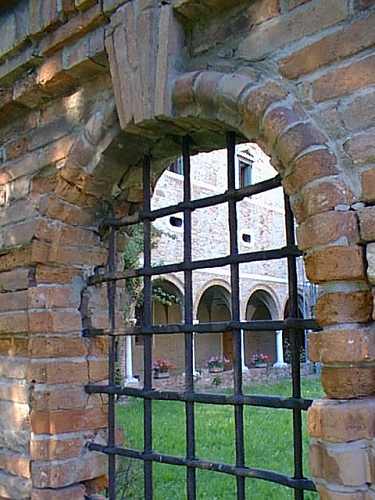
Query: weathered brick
pixel 50 132
pixel 327 493
pixel 344 42
pixel 16 391
pixel 57 372
pixel 279 118
pixel 55 448
pixel 43 184
pixel 27 165
pixel 14 368
pixel 363 4
pixel 55 275
pixel 370 256
pixel 348 382
pixel 335 263
pixel 56 208
pixel 350 467
pixel 64 397
pixel 73 30
pixel 19 189
pixel 17 148
pixel 98 369
pixel 342 421
pixel 54 322
pixel 61 234
pixel 53 347
pixel 270 36
pixel 296 139
pixel 14 463
pixel 342 346
pixel 366 218
pixel 328 227
pixel 368 186
pixel 58 474
pixel 58 422
pixel 18 279
pixel 17 235
pixel 75 492
pixel 340 307
pixel 13 347
pixel 56 151
pixel 52 297
pixel 13 301
pixel 28 92
pixel 13 322
pixel 360 112
pixel 14 487
pixel 18 211
pixel 325 196
pixel 361 147
pixel 255 103
pixel 14 415
pixel 357 75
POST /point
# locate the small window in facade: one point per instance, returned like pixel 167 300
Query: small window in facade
pixel 246 238
pixel 176 222
pixel 177 166
pixel 246 171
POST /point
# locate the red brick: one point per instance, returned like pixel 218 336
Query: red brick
pixel 43 450
pixel 270 37
pixel 347 345
pixel 61 234
pixel 55 254
pixel 98 346
pixel 54 347
pixel 14 347
pixel 43 184
pixel 13 301
pixel 328 227
pixel 340 307
pixel 98 369
pixel 335 264
pixel 75 492
pixel 73 30
pixel 61 210
pixel 13 322
pixel 296 139
pixel 360 112
pixel 68 421
pixel 367 223
pixel 357 75
pixel 348 382
pixel 349 40
pixel 342 421
pixel 18 279
pixel 54 322
pixel 325 196
pixel 361 147
pixel 64 397
pixel 57 372
pixel 14 463
pixel 368 185
pixel 279 118
pixel 17 148
pixel 256 102
pixel 55 275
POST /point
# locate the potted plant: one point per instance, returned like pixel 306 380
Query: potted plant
pixel 260 360
pixel 216 364
pixel 162 368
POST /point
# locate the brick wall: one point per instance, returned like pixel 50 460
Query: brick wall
pixel 295 76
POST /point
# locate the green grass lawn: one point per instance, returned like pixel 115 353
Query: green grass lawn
pixel 268 445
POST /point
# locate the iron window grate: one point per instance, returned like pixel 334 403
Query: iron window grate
pixel 238 400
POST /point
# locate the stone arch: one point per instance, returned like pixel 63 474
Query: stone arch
pixel 274 300
pixel 199 294
pixel 259 109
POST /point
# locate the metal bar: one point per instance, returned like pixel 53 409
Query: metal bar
pixel 111 293
pixel 296 375
pixel 146 320
pixel 244 472
pixel 205 398
pixel 188 289
pixel 202 328
pixel 235 303
pixel 278 253
pixel 209 201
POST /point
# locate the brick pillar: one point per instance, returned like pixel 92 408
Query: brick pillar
pixel 46 418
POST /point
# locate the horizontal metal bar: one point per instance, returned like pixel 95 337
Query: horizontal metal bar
pixel 241 258
pixel 247 472
pixel 238 195
pixel 205 398
pixel 220 327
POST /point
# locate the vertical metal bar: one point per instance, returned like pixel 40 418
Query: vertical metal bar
pixel 294 345
pixel 235 297
pixel 189 368
pixel 147 345
pixel 111 293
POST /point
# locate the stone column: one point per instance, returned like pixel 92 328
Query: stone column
pixel 279 350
